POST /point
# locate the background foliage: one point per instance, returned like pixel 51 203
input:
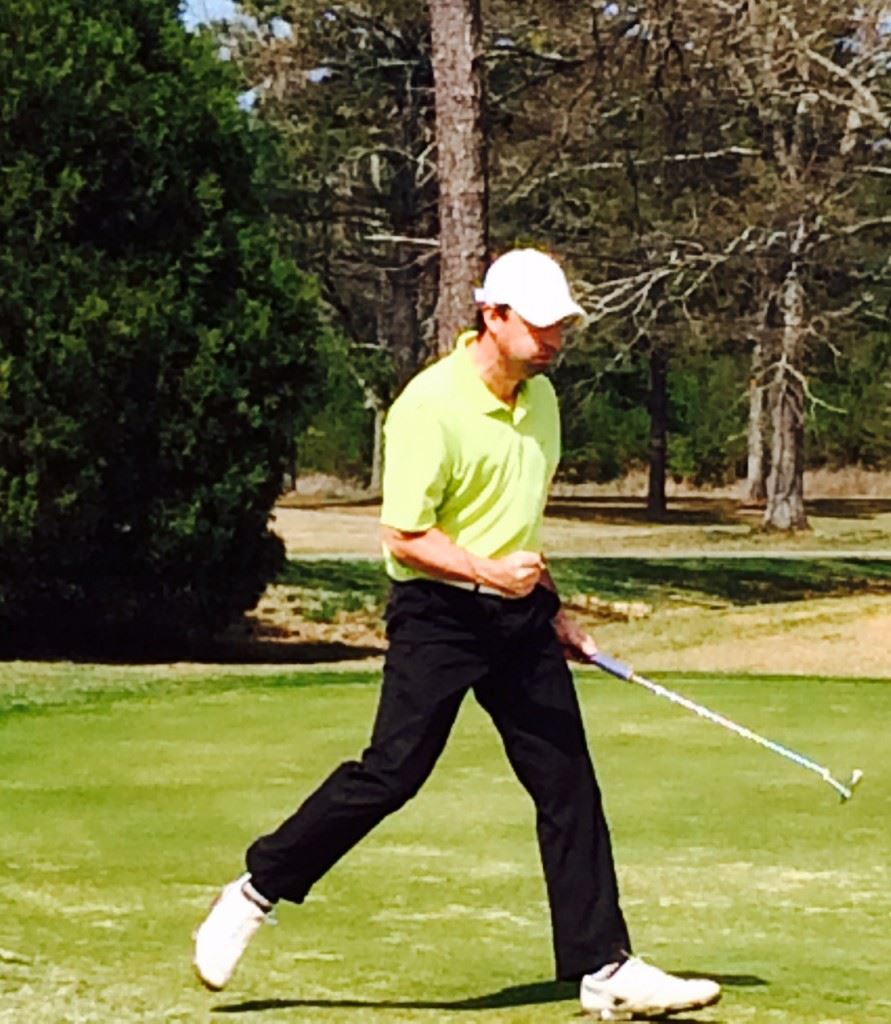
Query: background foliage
pixel 159 350
pixel 156 348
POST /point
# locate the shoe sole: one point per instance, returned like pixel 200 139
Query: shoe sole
pixel 620 1013
pixel 207 984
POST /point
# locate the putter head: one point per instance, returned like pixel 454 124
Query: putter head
pixel 856 776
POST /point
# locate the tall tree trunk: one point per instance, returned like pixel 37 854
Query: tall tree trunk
pixel 461 162
pixel 401 324
pixel 785 484
pixel 757 461
pixel 658 405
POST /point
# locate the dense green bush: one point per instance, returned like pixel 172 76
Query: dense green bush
pixel 339 439
pixel 606 433
pixel 853 427
pixel 709 405
pixel 155 345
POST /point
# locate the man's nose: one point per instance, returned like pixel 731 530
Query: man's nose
pixel 551 337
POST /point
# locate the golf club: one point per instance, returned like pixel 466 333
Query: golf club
pixel 622 671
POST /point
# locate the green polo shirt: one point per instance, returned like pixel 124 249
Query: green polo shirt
pixel 458 458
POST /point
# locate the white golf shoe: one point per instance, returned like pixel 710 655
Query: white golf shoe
pixel 225 933
pixel 638 990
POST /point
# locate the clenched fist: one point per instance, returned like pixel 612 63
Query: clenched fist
pixel 516 574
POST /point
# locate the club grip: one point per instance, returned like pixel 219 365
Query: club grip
pixel 612 665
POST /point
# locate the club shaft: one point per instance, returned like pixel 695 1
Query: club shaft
pixel 741 730
pixel 623 671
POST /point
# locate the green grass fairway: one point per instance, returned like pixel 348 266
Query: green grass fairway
pixel 128 795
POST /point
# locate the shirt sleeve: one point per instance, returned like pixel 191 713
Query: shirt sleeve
pixel 417 467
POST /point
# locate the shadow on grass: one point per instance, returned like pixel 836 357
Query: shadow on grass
pixel 756 580
pixel 252 652
pixel 848 508
pixel 285 652
pixel 627 511
pixel 532 994
pixel 314 503
pixel 632 511
pixel 726 980
pixel 537 993
pixel 352 575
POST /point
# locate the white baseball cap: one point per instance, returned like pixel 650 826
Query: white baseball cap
pixel 532 284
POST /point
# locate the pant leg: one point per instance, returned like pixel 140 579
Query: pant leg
pixel 431 662
pixel 532 701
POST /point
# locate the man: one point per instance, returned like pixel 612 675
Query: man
pixel 471 447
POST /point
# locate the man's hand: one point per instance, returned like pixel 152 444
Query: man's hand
pixel 517 574
pixel 577 644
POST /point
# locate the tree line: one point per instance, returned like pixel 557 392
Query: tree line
pixel 714 174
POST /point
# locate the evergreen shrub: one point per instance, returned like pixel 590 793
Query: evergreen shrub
pixel 156 347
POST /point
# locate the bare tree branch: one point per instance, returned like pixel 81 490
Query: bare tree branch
pixel 865 225
pixel 872 108
pixel 433 243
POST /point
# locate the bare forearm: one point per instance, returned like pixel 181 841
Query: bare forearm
pixel 433 552
pixel 436 554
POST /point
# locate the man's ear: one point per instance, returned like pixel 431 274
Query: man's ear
pixel 494 317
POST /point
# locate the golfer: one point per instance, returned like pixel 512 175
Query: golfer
pixel 472 444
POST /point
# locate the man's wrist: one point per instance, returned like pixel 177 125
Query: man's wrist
pixel 473 572
pixel 478 569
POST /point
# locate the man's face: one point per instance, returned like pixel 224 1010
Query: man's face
pixel 528 349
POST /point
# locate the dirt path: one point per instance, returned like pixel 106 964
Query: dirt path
pixel 696 530
pixel 334 531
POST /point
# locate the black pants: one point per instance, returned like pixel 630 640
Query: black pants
pixel 445 641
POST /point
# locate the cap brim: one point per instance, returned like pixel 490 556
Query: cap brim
pixel 552 315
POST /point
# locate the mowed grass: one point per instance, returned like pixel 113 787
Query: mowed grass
pixel 715 581
pixel 128 795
